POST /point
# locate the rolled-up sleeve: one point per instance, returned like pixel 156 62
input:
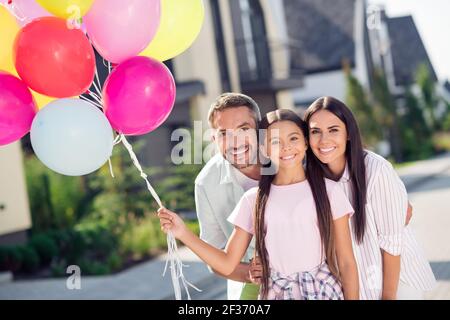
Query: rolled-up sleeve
pixel 210 230
pixel 389 202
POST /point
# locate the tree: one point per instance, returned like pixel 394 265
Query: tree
pixel 428 95
pixel 356 99
pixel 415 132
pixel 388 117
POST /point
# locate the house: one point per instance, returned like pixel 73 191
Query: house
pixel 328 33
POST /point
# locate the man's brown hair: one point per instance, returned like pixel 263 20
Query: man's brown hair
pixel 233 100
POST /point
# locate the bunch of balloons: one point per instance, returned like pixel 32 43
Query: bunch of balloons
pixel 47 62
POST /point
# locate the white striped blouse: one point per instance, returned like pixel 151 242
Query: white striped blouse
pixel 386 208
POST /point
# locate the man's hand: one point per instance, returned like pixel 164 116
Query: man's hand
pixel 255 272
pixel 409 214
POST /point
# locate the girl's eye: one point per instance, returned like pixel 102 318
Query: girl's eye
pixel 294 138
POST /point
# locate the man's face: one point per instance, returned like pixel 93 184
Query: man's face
pixel 235 135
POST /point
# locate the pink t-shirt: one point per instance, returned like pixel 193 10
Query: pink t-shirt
pixel 293 239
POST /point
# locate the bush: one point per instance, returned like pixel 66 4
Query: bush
pixel 4 258
pixel 140 236
pixel 11 259
pixel 114 261
pixel 30 259
pixel 92 267
pixel 45 247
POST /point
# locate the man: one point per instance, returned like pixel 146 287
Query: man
pixel 226 176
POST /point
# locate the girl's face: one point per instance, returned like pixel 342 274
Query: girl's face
pixel 285 144
pixel 327 137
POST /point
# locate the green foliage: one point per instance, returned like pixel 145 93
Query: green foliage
pixel 98 222
pixel 45 247
pixel 30 259
pixel 54 198
pixel 357 100
pixel 416 135
pixel 428 96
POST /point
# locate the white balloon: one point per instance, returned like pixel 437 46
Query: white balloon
pixel 72 137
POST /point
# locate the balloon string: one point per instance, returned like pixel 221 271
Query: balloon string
pixel 91 102
pixel 97 84
pixel 176 264
pixel 96 98
pixel 14 10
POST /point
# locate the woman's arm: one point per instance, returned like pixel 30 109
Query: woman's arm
pixel 224 262
pixel 346 259
pixel 389 202
pixel 391 276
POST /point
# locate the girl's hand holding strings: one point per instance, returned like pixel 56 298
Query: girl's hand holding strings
pixel 170 221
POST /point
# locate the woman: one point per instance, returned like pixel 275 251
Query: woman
pixel 390 262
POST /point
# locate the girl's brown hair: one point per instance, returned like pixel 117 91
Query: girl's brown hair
pixel 319 191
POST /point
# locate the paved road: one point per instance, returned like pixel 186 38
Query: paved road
pixel 431 223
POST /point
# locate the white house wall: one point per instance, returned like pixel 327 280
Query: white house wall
pixel 332 83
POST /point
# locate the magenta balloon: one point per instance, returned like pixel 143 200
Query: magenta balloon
pixel 17 108
pixel 138 95
pixel 28 10
pixel 121 29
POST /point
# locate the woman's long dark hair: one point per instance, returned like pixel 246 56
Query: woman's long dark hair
pixel 320 197
pixel 354 155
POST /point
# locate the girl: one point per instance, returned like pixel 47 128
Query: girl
pixel 300 224
pixel 391 265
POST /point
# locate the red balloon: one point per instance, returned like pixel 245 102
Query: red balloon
pixel 54 59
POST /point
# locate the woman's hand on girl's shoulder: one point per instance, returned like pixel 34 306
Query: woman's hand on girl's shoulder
pixel 170 221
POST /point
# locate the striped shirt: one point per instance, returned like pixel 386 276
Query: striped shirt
pixel 386 208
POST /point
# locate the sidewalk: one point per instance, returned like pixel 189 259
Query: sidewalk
pixel 422 171
pixel 145 281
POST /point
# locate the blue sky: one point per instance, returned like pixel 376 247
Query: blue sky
pixel 432 18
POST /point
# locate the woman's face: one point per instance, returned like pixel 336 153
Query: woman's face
pixel 285 144
pixel 327 137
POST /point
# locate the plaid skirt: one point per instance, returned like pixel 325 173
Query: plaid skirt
pixel 317 284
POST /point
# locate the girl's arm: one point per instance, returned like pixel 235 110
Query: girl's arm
pixel 345 258
pixel 224 261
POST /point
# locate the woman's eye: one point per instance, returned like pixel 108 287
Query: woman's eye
pixel 314 131
pixel 334 130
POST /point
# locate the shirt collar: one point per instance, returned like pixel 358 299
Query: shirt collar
pixel 346 175
pixel 226 172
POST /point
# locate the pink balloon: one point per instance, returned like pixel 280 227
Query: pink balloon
pixel 138 95
pixel 28 10
pixel 17 108
pixel 121 29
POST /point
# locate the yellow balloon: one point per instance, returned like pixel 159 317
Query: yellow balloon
pixel 8 31
pixel 41 100
pixel 181 22
pixel 67 9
